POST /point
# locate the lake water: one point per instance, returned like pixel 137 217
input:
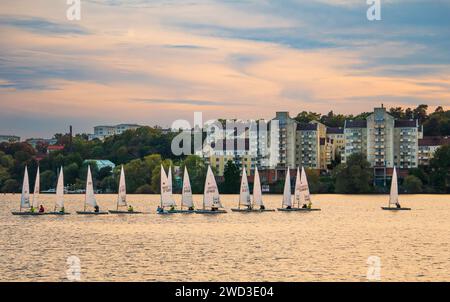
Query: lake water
pixel 331 245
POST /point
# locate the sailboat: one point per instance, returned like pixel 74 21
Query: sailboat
pixel 122 197
pixel 166 193
pixel 186 196
pixel 394 205
pixel 59 204
pixel 257 194
pixel 211 196
pixel 89 198
pixel 286 204
pixel 25 198
pixel 302 195
pixel 37 185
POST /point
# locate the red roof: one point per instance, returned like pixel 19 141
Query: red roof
pixel 55 148
pixel 434 141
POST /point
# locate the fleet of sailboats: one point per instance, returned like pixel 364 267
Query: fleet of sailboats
pixel 211 197
pixel 394 204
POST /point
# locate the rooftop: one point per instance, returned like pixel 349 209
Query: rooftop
pixel 306 127
pixel 406 123
pixel 356 124
pixel 335 130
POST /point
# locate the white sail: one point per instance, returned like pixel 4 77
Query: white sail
pixel 36 189
pixel 186 196
pixel 211 197
pixel 90 196
pixel 257 192
pixel 25 197
pixel 297 188
pixel 287 198
pixel 60 190
pixel 393 198
pixel 122 195
pixel 166 189
pixel 305 196
pixel 244 196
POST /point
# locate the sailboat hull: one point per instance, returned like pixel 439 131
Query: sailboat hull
pixel 58 213
pixel 28 213
pixel 124 212
pixel 91 213
pixel 210 212
pixel 252 210
pixel 395 209
pixel 298 210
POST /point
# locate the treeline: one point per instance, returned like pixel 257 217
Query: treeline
pixel 142 151
pixel 436 123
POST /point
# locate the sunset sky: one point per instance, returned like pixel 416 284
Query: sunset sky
pixel 154 61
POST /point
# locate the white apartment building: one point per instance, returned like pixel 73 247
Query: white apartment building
pixel 102 132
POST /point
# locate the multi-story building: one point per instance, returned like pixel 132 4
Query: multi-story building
pixel 9 139
pixel 285 150
pixel 428 146
pixel 355 135
pixel 406 147
pixel 380 138
pixel 102 132
pixel 308 145
pixel 337 135
pixel 44 141
pixel 327 153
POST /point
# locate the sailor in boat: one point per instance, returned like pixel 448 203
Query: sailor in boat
pixel 191 209
pixel 41 209
pixel 249 207
pixel 96 209
pixel 288 207
pixel 130 208
pixel 160 209
pixel 304 206
pixel 397 204
pixel 213 209
pixel 262 207
pixel 32 210
pixel 62 210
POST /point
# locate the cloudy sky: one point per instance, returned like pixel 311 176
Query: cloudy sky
pixel 154 61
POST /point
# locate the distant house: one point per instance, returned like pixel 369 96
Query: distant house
pixel 9 139
pixel 54 148
pixel 45 141
pixel 101 163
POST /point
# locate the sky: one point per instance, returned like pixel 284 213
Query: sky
pixel 155 61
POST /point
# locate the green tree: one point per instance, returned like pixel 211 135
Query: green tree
pixel 232 178
pixel 354 176
pixel 440 169
pixel 10 186
pixel 412 184
pixel 48 180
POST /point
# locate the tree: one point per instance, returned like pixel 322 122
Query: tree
pixel 354 176
pixel 440 167
pixel 10 186
pixel 412 184
pixel 48 180
pixel 232 178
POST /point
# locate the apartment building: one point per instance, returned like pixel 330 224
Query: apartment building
pixel 406 147
pixel 285 150
pixel 355 136
pixel 427 146
pixel 337 135
pixel 102 132
pixel 311 146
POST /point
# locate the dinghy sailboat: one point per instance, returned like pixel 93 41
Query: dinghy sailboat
pixel 302 195
pixel 37 186
pixel 59 204
pixel 89 198
pixel 166 193
pixel 286 204
pixel 257 194
pixel 394 204
pixel 25 198
pixel 122 197
pixel 186 196
pixel 211 196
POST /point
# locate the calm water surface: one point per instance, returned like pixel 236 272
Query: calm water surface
pixel 331 245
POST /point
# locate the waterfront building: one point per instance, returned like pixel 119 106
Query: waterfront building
pixel 337 135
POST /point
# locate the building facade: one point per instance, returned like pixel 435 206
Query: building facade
pixel 427 146
pixel 102 132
